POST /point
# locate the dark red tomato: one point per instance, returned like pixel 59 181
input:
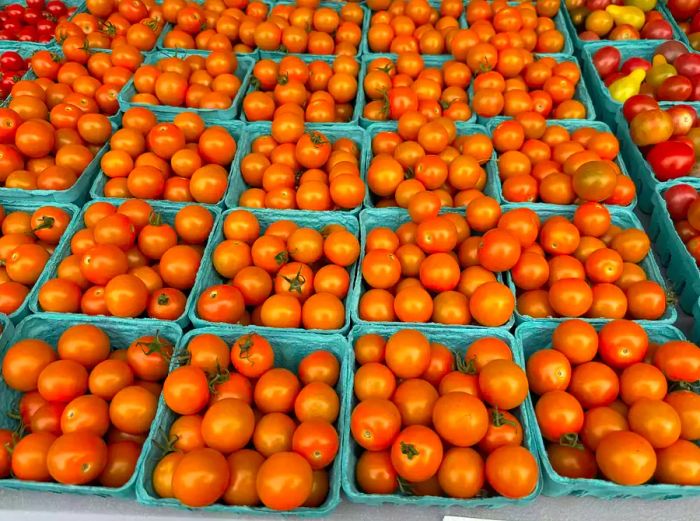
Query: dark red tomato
pixel 678 199
pixel 606 60
pixel 675 88
pixel 45 27
pixel 612 78
pixel 11 61
pixel 31 15
pixel 634 63
pixel 687 64
pixel 671 160
pixel 14 12
pixel 657 30
pixel 27 34
pixel 683 9
pixel 57 8
pixel 695 24
pixel 638 103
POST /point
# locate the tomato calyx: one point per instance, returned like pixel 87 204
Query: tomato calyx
pixel 318 139
pixel 282 258
pixel 45 223
pixel 219 377
pixel 682 385
pixel 19 431
pixel 409 450
pixel 151 24
pixel 156 346
pixel 571 440
pixel 498 419
pixel 466 366
pixel 163 299
pixel 283 79
pixel 109 29
pixel 296 283
pixel 155 219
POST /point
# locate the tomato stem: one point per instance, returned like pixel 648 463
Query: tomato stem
pixel 570 440
pixel 409 450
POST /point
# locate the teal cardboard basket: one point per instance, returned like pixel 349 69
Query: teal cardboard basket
pixel 289 349
pixel 49 327
pixel 434 62
pixel 208 275
pixel 625 219
pixel 308 59
pixel 166 210
pixel 457 340
pixel 605 105
pixel 336 6
pixel 534 337
pixel 235 128
pixel 237 185
pixel 52 264
pixel 7 329
pixel 696 322
pixel 642 174
pixel 393 218
pixel 559 24
pixel 463 129
pixel 681 269
pixel 571 125
pixel 581 94
pixel 243 71
pixel 580 44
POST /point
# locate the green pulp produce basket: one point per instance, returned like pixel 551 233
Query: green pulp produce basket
pixel 532 337
pixel 393 218
pixel 235 128
pixel 208 275
pixel 457 340
pixel 6 330
pixel 625 219
pixel 166 210
pixel 49 327
pixel 570 125
pixel 463 129
pixel 681 269
pixel 289 349
pixel 333 132
pixel 52 263
pixel 243 72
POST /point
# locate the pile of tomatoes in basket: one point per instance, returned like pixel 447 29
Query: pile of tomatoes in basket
pixel 200 82
pixel 612 403
pixel 130 261
pixel 427 156
pixel 262 434
pixel 305 27
pixel 305 170
pixel 27 241
pixel 608 20
pixel 683 205
pixel 283 275
pixel 182 160
pixel 110 23
pixel 315 90
pixel 430 430
pixel 35 21
pixel 12 68
pixel 553 165
pixel 435 268
pixel 668 138
pixel 583 265
pixel 86 406
pixel 685 12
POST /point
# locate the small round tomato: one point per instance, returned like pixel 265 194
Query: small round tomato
pixel 77 458
pixel 416 453
pixel 200 477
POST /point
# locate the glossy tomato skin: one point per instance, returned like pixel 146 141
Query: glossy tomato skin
pixel 671 159
pixel 200 478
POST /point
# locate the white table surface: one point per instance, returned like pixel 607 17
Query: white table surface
pixel 36 506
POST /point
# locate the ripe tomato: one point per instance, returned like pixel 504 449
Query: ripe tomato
pixel 252 355
pixel 30 457
pixel 149 357
pixel 512 471
pixel 460 419
pixel 186 390
pixel 273 433
pixel 86 344
pixel 284 481
pixel 132 409
pixel 626 458
pixel 228 425
pixel 657 421
pixel 317 441
pixel 243 468
pixel 416 453
pixel 319 366
pixel 24 362
pixel 77 458
pixel 276 390
pixel 109 377
pixel 558 413
pixel 86 413
pixel 121 463
pixel 62 380
pixel 548 370
pixel 622 343
pixel 374 423
pixel 200 477
pixel 407 353
pixel 572 462
pixel 461 473
pixel 375 473
pixel 503 384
